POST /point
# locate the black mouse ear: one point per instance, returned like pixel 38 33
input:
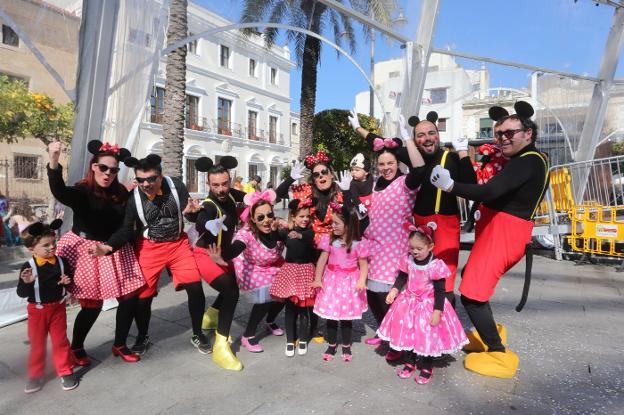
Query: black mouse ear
pixel 35 229
pixel 524 109
pixel 124 153
pixel 496 113
pixel 131 162
pixel 403 156
pixel 94 146
pixel 228 162
pixel 56 224
pixel 292 205
pixel 432 116
pixel 413 120
pixel 153 159
pixel 203 164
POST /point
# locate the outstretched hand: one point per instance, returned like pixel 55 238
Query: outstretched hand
pixel 193 206
pixel 441 178
pixel 65 280
pixel 353 120
pixel 27 275
pixel 344 180
pixel 214 252
pixel 405 135
pixel 297 171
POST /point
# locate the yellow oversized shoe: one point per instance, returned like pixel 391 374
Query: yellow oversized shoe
pixel 496 364
pixel 318 339
pixel 211 319
pixel 222 354
pixel 476 344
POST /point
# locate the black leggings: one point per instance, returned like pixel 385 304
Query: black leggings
pixel 480 314
pixel 346 326
pixel 258 311
pixel 377 304
pixel 228 298
pixel 292 314
pixel 84 322
pixel 425 362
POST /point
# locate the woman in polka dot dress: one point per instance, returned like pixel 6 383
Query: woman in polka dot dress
pixel 98 203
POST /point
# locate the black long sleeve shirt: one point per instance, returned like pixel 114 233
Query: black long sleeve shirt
pixel 237 247
pixel 439 289
pixel 298 251
pixel 209 212
pixel 50 291
pixel 516 190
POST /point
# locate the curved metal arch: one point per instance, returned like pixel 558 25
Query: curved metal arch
pixel 234 26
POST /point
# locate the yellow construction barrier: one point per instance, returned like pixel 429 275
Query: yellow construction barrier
pixel 597 229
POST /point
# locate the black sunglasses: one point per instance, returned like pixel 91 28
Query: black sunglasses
pixel 260 217
pixel 104 168
pixel 509 134
pixel 318 174
pixel 151 179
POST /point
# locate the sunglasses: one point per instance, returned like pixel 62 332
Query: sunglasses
pixel 509 134
pixel 151 179
pixel 104 168
pixel 318 174
pixel 261 216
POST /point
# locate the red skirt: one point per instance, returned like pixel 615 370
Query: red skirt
pixel 109 276
pixel 500 242
pixel 293 281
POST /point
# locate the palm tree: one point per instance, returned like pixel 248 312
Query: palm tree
pixel 175 91
pixel 316 17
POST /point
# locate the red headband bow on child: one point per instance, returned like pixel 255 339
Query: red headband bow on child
pixel 251 199
pixel 312 160
pixel 426 230
pixel 108 148
pixel 304 203
pixel 381 143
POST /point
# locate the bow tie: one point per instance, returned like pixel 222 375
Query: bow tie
pixel 42 261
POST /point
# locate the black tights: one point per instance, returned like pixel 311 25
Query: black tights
pixel 84 321
pixel 480 314
pixel 425 362
pixel 377 305
pixel 228 298
pixel 126 311
pixel 346 326
pixel 258 311
pixel 142 317
pixel 292 314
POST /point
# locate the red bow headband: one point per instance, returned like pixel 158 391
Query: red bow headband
pixel 108 148
pixel 426 230
pixel 381 143
pixel 251 199
pixel 312 160
pixel 305 203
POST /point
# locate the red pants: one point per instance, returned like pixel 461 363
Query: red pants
pixel 207 267
pixel 446 242
pixel 52 318
pixel 500 243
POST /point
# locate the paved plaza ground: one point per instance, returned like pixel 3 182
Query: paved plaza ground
pixel 569 338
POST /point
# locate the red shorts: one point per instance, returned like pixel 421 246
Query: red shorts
pixel 177 256
pixel 500 243
pixel 207 268
pixel 446 242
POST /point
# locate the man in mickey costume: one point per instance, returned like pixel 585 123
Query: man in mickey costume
pixel 503 228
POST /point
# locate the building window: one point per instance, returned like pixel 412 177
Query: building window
pixel 26 167
pixel 253 170
pixel 437 95
pixel 9 37
pixel 272 129
pixel 293 128
pixel 225 57
pixel 273 76
pixel 157 104
pixel 190 112
pixel 252 68
pixel 394 74
pixel 224 116
pixel 191 176
pixel 273 175
pixel 192 46
pixel 252 122
pixel 485 128
pixel 442 124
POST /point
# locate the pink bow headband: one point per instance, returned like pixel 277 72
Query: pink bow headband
pixel 108 148
pixel 381 143
pixel 251 199
pixel 426 230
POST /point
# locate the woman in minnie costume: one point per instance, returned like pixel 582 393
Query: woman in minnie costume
pixel 98 202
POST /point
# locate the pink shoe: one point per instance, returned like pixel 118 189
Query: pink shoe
pixel 329 354
pixel 346 354
pixel 253 348
pixel 406 372
pixel 393 355
pixel 275 329
pixel 421 380
pixel 373 341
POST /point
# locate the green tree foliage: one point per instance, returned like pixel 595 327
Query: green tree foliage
pixel 332 133
pixel 26 114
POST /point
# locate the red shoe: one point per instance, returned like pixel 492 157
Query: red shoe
pixel 393 355
pixel 80 358
pixel 406 372
pixel 373 341
pixel 421 380
pixel 125 354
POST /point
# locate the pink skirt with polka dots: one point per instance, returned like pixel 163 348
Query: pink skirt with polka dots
pixel 110 276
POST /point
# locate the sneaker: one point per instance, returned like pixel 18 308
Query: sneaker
pixel 290 349
pixel 33 385
pixel 69 382
pixel 274 329
pixel 141 345
pixel 302 349
pixel 201 343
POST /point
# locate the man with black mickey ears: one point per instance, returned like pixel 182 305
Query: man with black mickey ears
pixel 154 214
pixel 216 224
pixel 503 228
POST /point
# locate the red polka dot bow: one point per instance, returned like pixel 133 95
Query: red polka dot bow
pixel 108 148
pixel 304 203
pixel 312 160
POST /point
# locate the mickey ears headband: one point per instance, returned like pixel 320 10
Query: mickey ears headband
pixel 523 110
pixel 39 228
pixel 296 204
pixel 432 116
pixel 152 160
pixel 96 147
pixel 203 164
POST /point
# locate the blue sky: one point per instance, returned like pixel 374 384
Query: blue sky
pixel 557 34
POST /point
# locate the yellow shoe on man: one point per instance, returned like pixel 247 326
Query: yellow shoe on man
pixel 318 339
pixel 211 319
pixel 496 364
pixel 222 354
pixel 476 344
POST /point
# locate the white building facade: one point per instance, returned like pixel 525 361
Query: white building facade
pixel 238 104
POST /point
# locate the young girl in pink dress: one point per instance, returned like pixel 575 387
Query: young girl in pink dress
pixel 341 276
pixel 421 320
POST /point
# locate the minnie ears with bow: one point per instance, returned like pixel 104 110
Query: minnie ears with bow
pixel 523 110
pixel 151 160
pixel 96 147
pixel 38 228
pixel 432 116
pixel 203 164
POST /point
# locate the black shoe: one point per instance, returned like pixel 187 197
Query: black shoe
pixel 33 385
pixel 141 345
pixel 68 382
pixel 201 342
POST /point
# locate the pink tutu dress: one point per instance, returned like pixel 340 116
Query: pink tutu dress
pixel 338 299
pixel 407 323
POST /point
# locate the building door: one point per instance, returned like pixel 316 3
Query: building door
pixel 274 176
pixel 191 176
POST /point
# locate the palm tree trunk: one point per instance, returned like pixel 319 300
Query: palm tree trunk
pixel 175 91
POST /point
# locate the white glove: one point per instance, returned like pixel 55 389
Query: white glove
pixel 344 181
pixel 441 178
pixel 216 225
pixel 460 144
pixel 405 135
pixel 297 170
pixel 353 120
